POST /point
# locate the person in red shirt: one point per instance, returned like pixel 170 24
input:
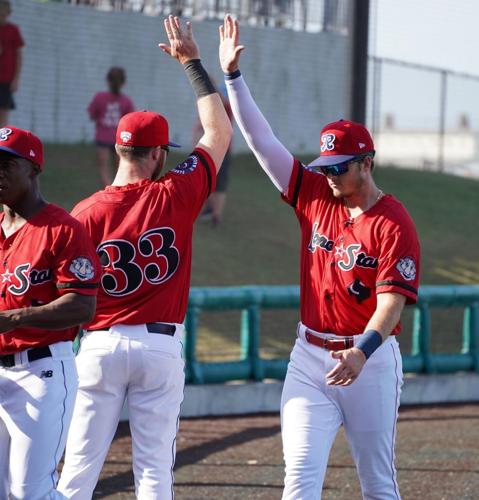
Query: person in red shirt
pixel 11 43
pixel 359 267
pixel 142 228
pixel 49 280
pixel 106 109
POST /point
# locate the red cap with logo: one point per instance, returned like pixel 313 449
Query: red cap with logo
pixel 143 129
pixel 21 143
pixel 342 141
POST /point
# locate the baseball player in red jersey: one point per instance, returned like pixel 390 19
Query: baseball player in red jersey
pixel 142 229
pixel 49 280
pixel 359 266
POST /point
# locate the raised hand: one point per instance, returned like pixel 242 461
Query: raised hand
pixel 229 51
pixel 182 44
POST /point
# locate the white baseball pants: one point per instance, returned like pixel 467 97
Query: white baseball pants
pixel 145 368
pixel 36 405
pixel 312 413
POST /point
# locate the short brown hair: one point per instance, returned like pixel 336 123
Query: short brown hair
pixel 132 153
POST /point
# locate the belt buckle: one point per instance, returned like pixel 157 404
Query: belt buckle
pixel 7 361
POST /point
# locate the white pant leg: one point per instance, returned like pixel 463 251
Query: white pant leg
pixel 39 407
pixel 154 398
pixel 370 408
pixel 310 421
pixel 4 456
pixel 102 372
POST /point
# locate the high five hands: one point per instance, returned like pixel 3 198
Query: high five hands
pixel 182 44
pixel 229 50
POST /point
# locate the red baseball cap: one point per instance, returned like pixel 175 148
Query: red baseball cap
pixel 21 143
pixel 143 128
pixel 341 141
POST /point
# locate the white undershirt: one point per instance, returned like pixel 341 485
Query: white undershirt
pixel 273 157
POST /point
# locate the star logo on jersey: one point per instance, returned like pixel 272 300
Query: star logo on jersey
pixel 7 276
pixel 340 251
pixel 82 268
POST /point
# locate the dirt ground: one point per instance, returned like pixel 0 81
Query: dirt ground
pixel 240 458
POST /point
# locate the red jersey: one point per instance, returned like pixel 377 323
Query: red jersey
pixel 10 41
pixel 49 256
pixel 143 235
pixel 346 262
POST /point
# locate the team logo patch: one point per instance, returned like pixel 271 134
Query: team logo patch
pixel 327 142
pixel 125 136
pixel 407 268
pixel 187 166
pixel 4 133
pixel 82 268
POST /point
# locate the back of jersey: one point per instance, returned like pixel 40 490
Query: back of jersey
pixel 143 235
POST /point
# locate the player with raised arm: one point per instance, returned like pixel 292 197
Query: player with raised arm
pixel 359 266
pixel 142 227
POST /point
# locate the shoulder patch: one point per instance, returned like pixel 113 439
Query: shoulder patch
pixel 82 268
pixel 407 268
pixel 187 166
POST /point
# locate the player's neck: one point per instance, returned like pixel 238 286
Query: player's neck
pixel 17 215
pixel 361 201
pixel 131 173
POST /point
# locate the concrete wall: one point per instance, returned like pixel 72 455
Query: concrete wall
pixel 299 80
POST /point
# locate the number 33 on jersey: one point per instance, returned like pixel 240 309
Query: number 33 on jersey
pixel 151 265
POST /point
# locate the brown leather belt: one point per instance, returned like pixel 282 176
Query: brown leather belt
pixel 8 360
pixel 329 344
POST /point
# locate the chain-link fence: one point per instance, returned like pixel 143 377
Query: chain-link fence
pixel 424 117
pixel 300 15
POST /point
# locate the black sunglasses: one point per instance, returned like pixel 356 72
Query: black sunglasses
pixel 342 168
pixel 165 148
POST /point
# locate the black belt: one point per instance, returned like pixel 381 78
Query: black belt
pixel 8 360
pixel 162 328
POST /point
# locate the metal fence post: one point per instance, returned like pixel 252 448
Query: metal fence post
pixel 193 369
pixel 470 333
pixel 421 335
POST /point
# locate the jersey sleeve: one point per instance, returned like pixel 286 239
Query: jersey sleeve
pixel 399 260
pixel 304 186
pixel 192 181
pixel 76 266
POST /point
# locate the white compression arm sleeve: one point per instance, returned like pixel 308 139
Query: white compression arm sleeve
pixel 273 157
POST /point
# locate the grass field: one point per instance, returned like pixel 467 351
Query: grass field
pixel 258 241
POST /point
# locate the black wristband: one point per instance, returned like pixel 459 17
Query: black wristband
pixel 232 76
pixel 199 79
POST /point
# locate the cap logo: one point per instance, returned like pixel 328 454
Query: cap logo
pixel 125 136
pixel 361 145
pixel 4 133
pixel 32 153
pixel 327 142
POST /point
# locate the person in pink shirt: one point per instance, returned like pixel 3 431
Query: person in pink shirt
pixel 11 43
pixel 105 110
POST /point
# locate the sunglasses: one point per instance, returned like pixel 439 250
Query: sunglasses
pixel 165 148
pixel 341 168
